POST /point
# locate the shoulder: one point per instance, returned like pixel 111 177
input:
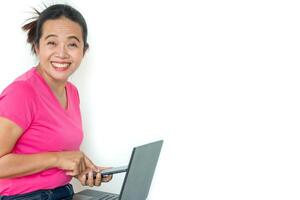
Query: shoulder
pixel 23 85
pixel 19 92
pixel 18 103
pixel 72 86
pixel 20 88
pixel 73 91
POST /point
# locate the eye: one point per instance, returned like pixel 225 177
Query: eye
pixel 51 43
pixel 73 45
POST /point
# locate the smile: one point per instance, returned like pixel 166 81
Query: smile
pixel 60 66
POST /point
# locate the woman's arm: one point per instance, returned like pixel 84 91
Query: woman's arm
pixel 15 165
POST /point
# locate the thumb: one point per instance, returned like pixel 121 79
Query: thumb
pixel 91 165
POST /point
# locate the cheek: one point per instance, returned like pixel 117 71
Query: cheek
pixel 77 57
pixel 42 57
pixel 44 54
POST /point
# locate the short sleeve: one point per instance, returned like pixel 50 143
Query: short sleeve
pixel 78 97
pixel 18 103
pixel 74 93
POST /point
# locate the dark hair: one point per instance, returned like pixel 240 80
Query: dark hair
pixel 56 11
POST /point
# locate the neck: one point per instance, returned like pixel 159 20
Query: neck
pixel 58 87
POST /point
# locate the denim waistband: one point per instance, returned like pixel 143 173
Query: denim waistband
pixel 65 192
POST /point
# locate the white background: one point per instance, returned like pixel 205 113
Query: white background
pixel 217 80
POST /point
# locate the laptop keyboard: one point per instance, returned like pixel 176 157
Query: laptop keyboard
pixel 107 197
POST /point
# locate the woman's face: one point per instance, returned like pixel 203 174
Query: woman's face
pixel 60 49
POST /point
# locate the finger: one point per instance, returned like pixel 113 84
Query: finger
pixel 73 172
pixel 82 166
pixel 82 178
pixel 107 178
pixel 98 179
pixel 103 168
pixel 90 164
pixel 90 181
pixel 74 169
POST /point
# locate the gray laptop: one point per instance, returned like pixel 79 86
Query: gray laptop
pixel 138 177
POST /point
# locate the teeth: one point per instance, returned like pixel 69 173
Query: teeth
pixel 60 65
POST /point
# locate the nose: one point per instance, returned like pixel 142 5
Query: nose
pixel 62 51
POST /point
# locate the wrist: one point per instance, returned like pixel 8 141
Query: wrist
pixel 53 160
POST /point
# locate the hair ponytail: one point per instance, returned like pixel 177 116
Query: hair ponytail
pixel 31 34
pixel 31 29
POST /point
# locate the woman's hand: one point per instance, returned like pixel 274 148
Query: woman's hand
pixel 86 178
pixel 74 162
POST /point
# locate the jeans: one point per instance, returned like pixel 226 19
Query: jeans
pixel 61 193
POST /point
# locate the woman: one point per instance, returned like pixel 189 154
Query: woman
pixel 40 121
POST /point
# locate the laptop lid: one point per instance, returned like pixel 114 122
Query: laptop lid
pixel 140 172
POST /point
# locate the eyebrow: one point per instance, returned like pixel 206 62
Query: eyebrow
pixel 69 37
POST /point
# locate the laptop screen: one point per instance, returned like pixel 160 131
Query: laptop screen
pixel 140 171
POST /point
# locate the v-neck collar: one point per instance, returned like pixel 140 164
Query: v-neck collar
pixel 52 93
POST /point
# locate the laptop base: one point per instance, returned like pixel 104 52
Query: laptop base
pixel 94 194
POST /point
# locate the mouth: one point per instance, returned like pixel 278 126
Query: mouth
pixel 60 66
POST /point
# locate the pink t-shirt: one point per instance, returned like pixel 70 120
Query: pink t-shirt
pixel 47 126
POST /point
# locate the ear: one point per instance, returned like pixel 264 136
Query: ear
pixel 36 49
pixel 85 48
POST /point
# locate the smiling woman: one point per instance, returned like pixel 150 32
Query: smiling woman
pixel 60 50
pixel 40 136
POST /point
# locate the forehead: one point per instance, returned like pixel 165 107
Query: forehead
pixel 61 27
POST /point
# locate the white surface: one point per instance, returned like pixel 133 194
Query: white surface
pixel 217 80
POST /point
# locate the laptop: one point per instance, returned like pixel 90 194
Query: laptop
pixel 138 177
